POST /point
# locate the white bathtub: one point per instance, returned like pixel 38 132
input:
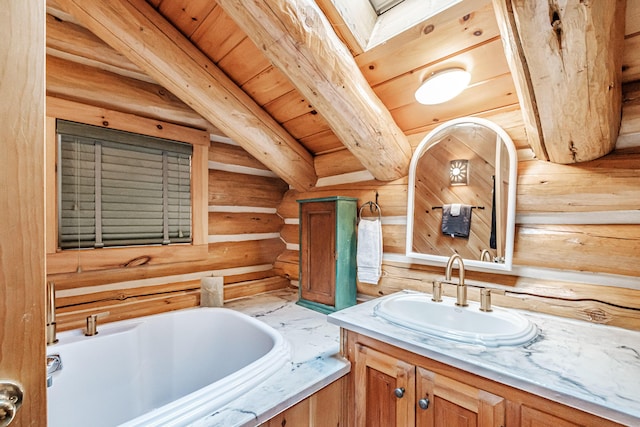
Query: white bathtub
pixel 163 370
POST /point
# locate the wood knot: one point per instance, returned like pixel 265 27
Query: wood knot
pixel 136 262
pixel 597 315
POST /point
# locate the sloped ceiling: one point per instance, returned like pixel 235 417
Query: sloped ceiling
pixel 307 127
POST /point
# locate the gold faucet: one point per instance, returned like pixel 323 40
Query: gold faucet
pixel 92 323
pixel 51 313
pixel 461 289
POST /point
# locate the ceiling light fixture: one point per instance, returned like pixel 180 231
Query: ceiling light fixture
pixel 442 86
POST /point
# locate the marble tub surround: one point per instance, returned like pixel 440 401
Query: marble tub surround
pixel 590 367
pixel 315 360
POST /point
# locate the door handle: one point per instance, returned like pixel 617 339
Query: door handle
pixel 10 401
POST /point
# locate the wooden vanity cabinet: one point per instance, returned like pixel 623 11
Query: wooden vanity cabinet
pixel 391 392
pixel 391 387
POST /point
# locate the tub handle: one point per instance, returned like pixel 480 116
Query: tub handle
pixel 10 401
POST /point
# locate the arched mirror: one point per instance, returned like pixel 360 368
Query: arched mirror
pixel 462 195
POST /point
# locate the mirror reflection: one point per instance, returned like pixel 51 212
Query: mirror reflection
pixel 462 182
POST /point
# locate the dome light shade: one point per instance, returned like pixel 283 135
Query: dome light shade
pixel 443 86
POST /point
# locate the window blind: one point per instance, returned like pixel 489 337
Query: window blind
pixel 119 189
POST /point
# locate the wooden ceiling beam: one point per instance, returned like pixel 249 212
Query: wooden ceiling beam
pixel 566 63
pixel 135 29
pixel 297 38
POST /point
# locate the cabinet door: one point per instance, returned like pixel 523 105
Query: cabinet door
pixel 444 402
pixel 385 390
pixel 318 251
pixel 530 417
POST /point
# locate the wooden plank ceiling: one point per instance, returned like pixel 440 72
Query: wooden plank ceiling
pixel 393 70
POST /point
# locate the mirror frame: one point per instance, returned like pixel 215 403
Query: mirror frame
pixel 511 196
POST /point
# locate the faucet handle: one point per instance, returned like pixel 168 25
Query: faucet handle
pixel 485 300
pixel 437 291
pixel 92 323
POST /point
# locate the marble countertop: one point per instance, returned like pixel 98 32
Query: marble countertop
pixel 590 367
pixel 315 360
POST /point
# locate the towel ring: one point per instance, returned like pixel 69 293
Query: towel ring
pixel 372 206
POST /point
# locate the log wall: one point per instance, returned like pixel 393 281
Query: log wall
pixel 577 251
pixel 577 247
pixel 240 232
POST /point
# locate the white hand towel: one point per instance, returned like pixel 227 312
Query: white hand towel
pixel 369 251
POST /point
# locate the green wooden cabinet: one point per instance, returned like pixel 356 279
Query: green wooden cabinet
pixel 328 253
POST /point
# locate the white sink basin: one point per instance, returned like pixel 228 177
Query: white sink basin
pixel 416 311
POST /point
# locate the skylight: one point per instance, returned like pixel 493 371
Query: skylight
pixel 381 6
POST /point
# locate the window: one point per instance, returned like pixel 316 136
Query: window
pixel 119 188
pixel 381 6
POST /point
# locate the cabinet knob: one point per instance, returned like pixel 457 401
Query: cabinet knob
pixel 423 403
pixel 399 392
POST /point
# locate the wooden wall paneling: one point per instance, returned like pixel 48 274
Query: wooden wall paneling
pixel 288 264
pixel 439 37
pixel 613 249
pixel 233 155
pixel 392 197
pixel 74 317
pixel 199 191
pixel 244 62
pixel 239 254
pixel 310 123
pixel 298 33
pixel 606 184
pixel 336 163
pixel 73 42
pixel 290 233
pixel 160 47
pixel 220 256
pixel 489 95
pixel 632 19
pixel 484 61
pixel 630 124
pixel 108 118
pixel 231 279
pixel 217 34
pixel 394 238
pixel 288 106
pixel 118 295
pixel 122 257
pixel 268 85
pixel 236 189
pixel 186 15
pixel 249 288
pixel 630 60
pixel 322 142
pixel 239 223
pixel 92 86
pixel 508 118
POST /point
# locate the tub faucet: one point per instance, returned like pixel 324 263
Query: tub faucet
pixel 51 313
pixel 54 364
pixel 92 323
pixel 461 289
